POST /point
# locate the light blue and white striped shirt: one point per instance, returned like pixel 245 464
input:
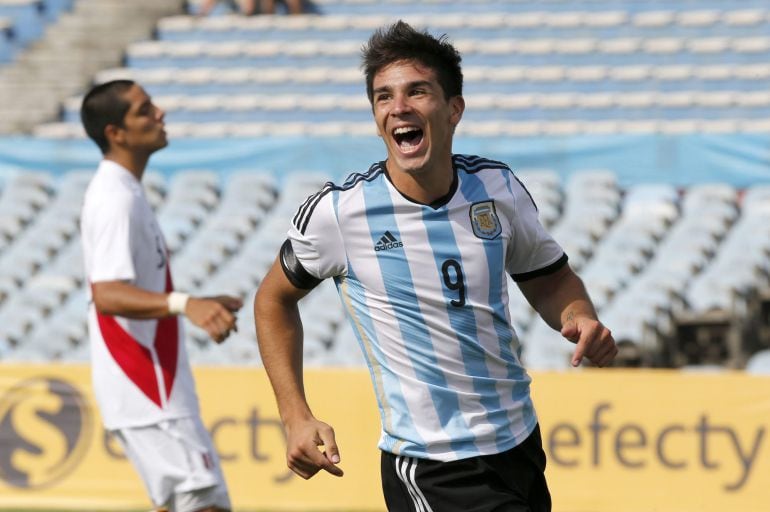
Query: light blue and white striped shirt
pixel 425 288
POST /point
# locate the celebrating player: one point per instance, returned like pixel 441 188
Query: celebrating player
pixel 420 247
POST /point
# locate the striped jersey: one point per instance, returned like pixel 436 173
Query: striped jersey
pixel 425 289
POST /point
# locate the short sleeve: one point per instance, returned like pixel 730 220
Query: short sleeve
pixel 533 251
pixel 109 230
pixel 316 237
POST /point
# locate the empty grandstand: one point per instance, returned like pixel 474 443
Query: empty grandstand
pixel 629 103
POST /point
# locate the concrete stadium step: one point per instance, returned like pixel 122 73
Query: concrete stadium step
pixel 89 38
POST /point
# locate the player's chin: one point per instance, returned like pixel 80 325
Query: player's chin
pixel 413 164
pixel 161 137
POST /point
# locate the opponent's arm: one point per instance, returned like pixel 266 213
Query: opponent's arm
pixel 279 333
pixel 563 302
pixel 216 315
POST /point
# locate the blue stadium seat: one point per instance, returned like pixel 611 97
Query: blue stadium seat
pixel 759 363
pixel 7 41
pixel 28 18
pixel 52 9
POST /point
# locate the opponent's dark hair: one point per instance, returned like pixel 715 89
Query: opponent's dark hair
pixel 400 41
pixel 104 105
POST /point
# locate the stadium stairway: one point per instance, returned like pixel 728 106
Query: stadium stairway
pixel 63 60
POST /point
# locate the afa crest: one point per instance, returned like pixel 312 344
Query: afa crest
pixel 484 220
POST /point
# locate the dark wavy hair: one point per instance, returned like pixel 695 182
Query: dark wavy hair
pixel 400 41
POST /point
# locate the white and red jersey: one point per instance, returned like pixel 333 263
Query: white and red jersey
pixel 141 374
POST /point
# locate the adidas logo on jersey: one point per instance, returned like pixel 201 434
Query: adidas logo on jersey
pixel 387 241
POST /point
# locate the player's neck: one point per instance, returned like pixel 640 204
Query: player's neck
pixel 424 186
pixel 132 162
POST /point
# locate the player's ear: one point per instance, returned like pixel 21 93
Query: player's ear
pixel 114 134
pixel 457 107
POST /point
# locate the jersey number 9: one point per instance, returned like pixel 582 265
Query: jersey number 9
pixel 456 282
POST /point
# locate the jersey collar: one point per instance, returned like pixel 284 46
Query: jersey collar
pixel 438 203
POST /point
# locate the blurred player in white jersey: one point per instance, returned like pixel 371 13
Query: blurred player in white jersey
pixel 141 374
pixel 420 247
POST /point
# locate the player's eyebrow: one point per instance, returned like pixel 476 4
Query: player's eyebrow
pixel 410 85
pixel 384 88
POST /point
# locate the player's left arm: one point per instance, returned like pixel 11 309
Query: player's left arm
pixel 562 301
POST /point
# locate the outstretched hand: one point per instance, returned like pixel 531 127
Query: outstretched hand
pixel 593 340
pixel 302 448
pixel 216 315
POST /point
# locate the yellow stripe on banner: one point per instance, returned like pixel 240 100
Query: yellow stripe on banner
pixel 617 441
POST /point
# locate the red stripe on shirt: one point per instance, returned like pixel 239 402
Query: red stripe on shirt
pixel 167 341
pixel 136 360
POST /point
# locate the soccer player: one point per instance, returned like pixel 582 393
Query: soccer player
pixel 141 374
pixel 420 247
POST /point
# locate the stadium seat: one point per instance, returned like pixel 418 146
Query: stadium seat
pixel 27 18
pixel 545 348
pixel 345 351
pixel 759 363
pixel 6 38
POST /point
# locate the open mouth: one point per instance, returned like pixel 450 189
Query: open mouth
pixel 407 137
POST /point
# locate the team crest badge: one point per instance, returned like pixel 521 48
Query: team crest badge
pixel 484 220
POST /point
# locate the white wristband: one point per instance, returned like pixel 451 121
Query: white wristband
pixel 177 302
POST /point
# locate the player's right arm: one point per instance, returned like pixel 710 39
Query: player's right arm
pixel 216 315
pixel 279 333
pixel 111 226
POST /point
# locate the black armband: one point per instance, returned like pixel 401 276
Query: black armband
pixel 294 270
pixel 550 269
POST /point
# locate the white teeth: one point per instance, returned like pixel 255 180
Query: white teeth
pixel 405 129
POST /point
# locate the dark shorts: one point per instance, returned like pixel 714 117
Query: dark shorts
pixel 512 481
